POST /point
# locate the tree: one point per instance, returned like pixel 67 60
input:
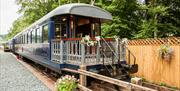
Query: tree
pixel 155 18
pixel 125 19
pixel 155 23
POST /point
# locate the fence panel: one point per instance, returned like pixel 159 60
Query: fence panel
pixel 151 67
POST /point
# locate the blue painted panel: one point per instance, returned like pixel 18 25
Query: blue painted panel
pixel 68 27
pixel 51 33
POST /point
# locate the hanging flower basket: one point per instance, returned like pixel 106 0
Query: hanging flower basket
pixel 87 40
pixel 165 52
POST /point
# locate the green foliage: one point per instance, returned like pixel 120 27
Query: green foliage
pixel 165 52
pixel 151 25
pixel 125 18
pixel 133 20
pixel 18 26
pixel 156 18
pixel 66 83
pixel 156 22
pixel 162 84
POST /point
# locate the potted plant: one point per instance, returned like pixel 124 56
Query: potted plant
pixel 66 83
pixel 165 52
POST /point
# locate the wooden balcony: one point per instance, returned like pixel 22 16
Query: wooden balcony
pixel 72 51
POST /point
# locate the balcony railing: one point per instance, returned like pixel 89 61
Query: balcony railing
pixel 72 51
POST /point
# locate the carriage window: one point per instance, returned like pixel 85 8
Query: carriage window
pixel 21 39
pixel 60 30
pixel 34 36
pixel 45 33
pixel 29 38
pixel 57 31
pixel 27 41
pixel 25 38
pixel 16 40
pixel 60 26
pixel 39 35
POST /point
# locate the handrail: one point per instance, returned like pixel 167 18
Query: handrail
pixel 130 53
pixel 109 64
pixel 114 54
pixel 117 82
pixel 110 48
pixel 120 83
pixel 83 88
pixel 71 39
pixel 75 39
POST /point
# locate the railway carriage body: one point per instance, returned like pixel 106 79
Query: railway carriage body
pixel 54 41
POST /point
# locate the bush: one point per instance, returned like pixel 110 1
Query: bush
pixel 66 83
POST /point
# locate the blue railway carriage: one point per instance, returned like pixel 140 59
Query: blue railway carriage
pixel 54 41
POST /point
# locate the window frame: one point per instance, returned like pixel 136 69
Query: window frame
pixel 43 32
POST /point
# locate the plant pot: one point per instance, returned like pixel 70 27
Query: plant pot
pixel 167 57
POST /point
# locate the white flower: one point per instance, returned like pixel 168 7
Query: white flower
pixel 124 40
pixel 97 38
pixel 59 80
pixel 90 43
pixel 115 37
pixel 67 81
pixel 87 38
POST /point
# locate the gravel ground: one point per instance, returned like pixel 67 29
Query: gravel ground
pixel 15 77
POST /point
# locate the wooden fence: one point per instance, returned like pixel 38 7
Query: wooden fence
pixel 151 67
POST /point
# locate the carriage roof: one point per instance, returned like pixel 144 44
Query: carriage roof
pixel 74 9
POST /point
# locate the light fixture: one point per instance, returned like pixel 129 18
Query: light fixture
pixel 64 19
pixel 93 26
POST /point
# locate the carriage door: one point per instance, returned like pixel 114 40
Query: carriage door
pixel 60 30
pixel 60 27
pixel 57 31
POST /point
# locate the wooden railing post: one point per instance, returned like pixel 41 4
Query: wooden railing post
pixel 98 52
pixel 52 50
pixel 117 50
pixel 82 54
pixel 61 51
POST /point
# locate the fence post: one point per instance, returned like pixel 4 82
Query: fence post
pixel 82 54
pixel 82 77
